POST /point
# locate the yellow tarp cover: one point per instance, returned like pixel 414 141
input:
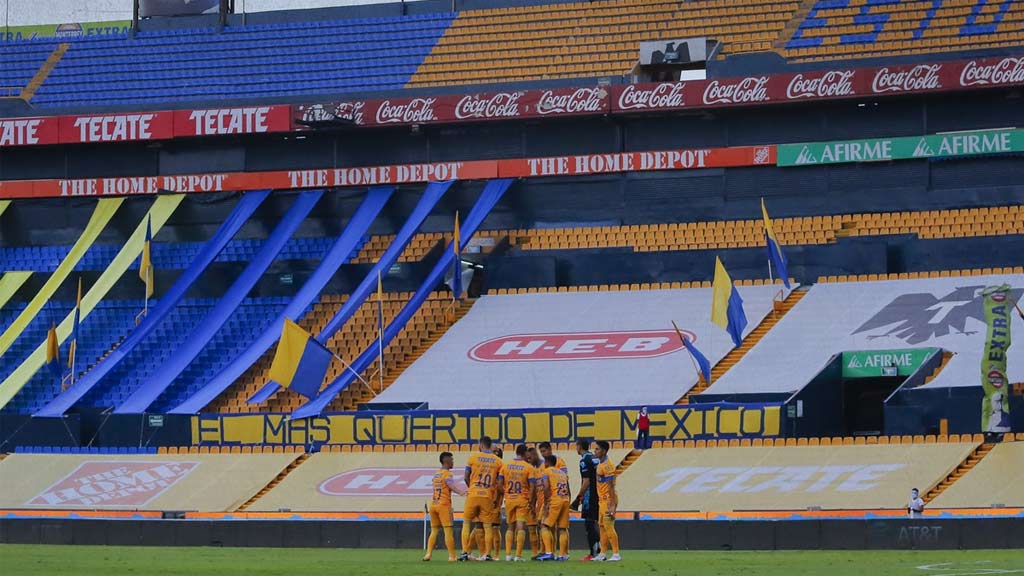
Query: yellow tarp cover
pixel 3 206
pixel 997 479
pixel 160 212
pixel 9 284
pixel 203 482
pixel 105 210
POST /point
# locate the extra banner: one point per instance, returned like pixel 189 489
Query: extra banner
pixel 904 148
pixel 995 406
pixel 692 422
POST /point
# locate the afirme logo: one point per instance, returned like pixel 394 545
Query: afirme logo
pixel 383 482
pixel 806 156
pixel 109 483
pixel 579 346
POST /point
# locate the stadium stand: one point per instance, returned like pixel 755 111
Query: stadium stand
pixel 871 315
pixel 994 481
pixel 786 478
pixel 136 481
pixel 241 62
pixel 426 326
pixel 587 39
pixel 871 28
pixel 512 343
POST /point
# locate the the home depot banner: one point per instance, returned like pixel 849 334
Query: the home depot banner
pixel 692 422
pixel 995 406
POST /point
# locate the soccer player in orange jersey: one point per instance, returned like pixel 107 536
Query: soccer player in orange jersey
pixel 518 479
pixel 441 507
pixel 608 499
pixel 482 471
pixel 536 507
pixel 545 451
pixel 556 510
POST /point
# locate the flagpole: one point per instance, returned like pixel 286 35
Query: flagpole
pixel 380 334
pixel 357 374
pixel 696 369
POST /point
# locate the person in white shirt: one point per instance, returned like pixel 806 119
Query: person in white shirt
pixel 915 509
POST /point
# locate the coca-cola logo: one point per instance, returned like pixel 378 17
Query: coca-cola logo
pixel 415 111
pixel 921 77
pixel 744 91
pixel 578 101
pixel 500 105
pixel 351 111
pixel 832 84
pixel 1006 71
pixel 665 95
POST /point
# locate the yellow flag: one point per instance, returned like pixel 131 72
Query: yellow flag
pixel 721 290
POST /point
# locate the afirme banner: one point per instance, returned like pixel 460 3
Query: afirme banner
pixel 995 405
pixel 692 422
pixel 396 174
pixel 902 148
pixel 876 363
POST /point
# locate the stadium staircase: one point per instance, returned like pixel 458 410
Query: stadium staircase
pixel 970 462
pixel 751 340
pixel 409 349
pixel 946 357
pixel 794 23
pixel 628 461
pixel 277 480
pixel 44 71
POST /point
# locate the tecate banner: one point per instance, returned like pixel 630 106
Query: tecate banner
pixel 903 148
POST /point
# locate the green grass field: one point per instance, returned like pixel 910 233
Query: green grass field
pixel 16 560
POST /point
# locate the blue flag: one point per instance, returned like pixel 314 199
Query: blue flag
pixel 701 359
pixel 775 255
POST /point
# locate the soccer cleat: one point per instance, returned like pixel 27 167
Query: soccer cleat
pixel 587 558
pixel 426 558
pixel 600 557
pixel 486 558
pixel 453 559
pixel 518 559
pixel 561 558
pixel 544 558
pixel 615 558
pixel 508 558
pixel 464 557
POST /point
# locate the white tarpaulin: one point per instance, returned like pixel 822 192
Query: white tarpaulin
pixel 894 314
pixel 572 349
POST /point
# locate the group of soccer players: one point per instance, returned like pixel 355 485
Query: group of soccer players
pixel 534 488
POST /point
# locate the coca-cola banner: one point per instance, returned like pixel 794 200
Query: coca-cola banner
pixel 510 105
pixel 818 85
pixel 395 174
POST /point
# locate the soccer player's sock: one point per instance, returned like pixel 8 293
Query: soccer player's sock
pixel 467 537
pixel 612 535
pixel 534 540
pixel 509 540
pixel 489 539
pixel 432 541
pixel 478 535
pixel 563 542
pixel 520 542
pixel 497 541
pixel 449 540
pixel 549 544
